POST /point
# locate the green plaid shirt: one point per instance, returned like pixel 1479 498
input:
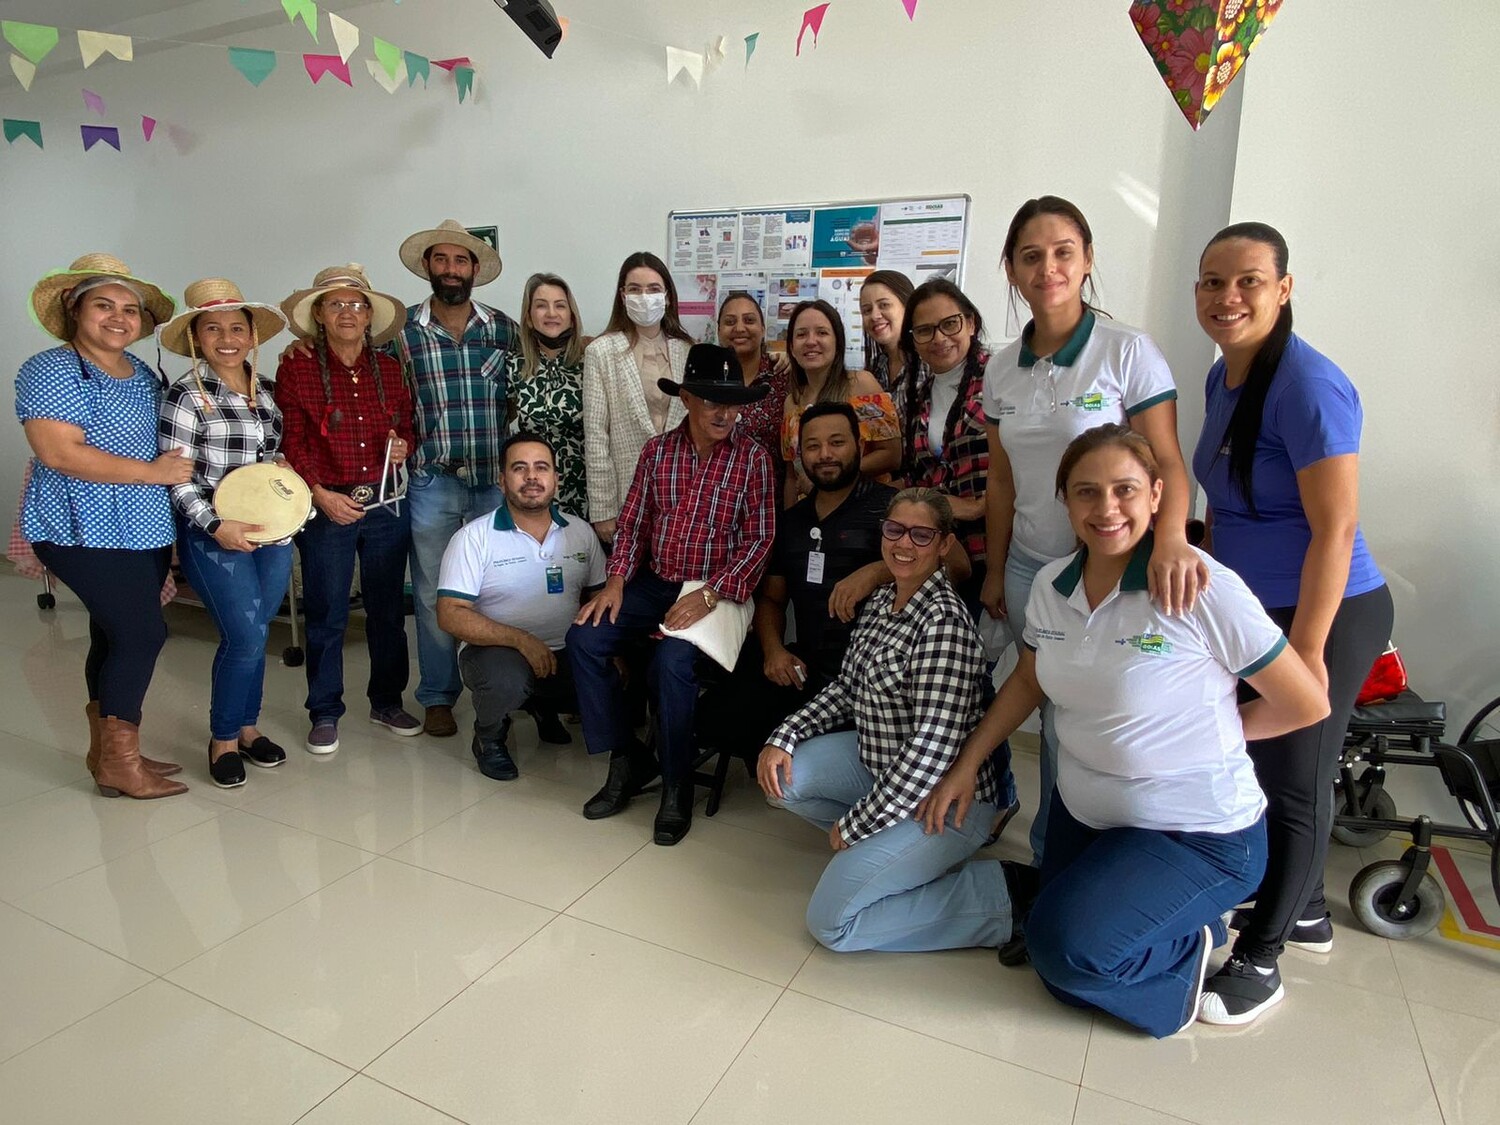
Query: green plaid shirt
pixel 459 389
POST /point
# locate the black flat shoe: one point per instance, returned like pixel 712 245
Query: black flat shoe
pixel 550 729
pixel 676 814
pixel 263 753
pixel 1023 883
pixel 227 770
pixel 494 759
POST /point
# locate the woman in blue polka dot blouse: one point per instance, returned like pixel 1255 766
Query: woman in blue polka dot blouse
pixel 96 507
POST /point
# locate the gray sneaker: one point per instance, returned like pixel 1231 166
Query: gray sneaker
pixel 397 721
pixel 324 737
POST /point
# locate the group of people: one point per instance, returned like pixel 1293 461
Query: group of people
pixel 595 525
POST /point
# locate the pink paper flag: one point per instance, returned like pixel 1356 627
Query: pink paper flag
pixel 812 18
pixel 449 64
pixel 148 125
pixel 319 65
pixel 911 9
pixel 94 102
pixel 93 134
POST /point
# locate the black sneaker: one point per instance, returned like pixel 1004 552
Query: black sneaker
pixel 263 753
pixel 1239 992
pixel 494 759
pixel 227 770
pixel 1195 1000
pixel 1312 934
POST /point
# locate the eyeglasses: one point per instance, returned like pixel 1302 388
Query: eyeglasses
pixel 637 290
pixel 948 326
pixel 347 306
pixel 920 536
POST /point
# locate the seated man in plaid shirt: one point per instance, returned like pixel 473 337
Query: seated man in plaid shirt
pixel 701 508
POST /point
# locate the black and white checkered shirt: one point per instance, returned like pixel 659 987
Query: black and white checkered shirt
pixel 217 440
pixel 913 682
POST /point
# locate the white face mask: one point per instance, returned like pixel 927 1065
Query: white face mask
pixel 646 309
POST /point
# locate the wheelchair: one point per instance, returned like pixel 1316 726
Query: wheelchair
pixel 1400 899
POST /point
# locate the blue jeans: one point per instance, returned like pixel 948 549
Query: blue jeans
pixel 673 678
pixel 893 891
pixel 1118 924
pixel 440 504
pixel 1020 572
pixel 242 592
pixel 381 541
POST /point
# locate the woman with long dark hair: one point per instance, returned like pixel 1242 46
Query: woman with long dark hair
pixel 882 312
pixel 742 328
pixel 623 404
pixel 1279 461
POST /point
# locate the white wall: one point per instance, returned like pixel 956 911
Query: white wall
pixel 579 160
pixel 1379 164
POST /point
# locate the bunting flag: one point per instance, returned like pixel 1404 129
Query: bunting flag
pixel 148 126
pixel 255 65
pixel 319 65
pixel 94 102
pixel 306 11
pixel 713 54
pixel 416 67
pixel 390 83
pixel 93 134
pixel 463 76
pixel 389 55
pixel 563 24
pixel 684 62
pixel 33 41
pixel 450 64
pixel 750 47
pixel 24 70
pixel 345 35
pixel 14 130
pixel 911 10
pixel 812 18
pixel 92 44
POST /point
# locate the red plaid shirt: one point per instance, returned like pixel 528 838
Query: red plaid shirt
pixel 350 450
pixel 965 461
pixel 707 521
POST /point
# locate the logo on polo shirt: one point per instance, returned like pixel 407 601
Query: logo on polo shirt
pixel 581 557
pixel 1148 644
pixel 1093 401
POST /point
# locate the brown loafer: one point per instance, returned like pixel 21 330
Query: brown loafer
pixel 439 722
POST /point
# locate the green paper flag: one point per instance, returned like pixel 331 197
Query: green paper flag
pixel 464 76
pixel 306 10
pixel 17 129
pixel 255 65
pixel 750 41
pixel 32 40
pixel 389 55
pixel 416 66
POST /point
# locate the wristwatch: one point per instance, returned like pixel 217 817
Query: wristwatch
pixel 710 598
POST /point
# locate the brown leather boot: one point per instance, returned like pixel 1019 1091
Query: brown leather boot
pixel 160 769
pixel 120 767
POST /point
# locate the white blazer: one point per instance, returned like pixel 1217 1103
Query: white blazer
pixel 616 419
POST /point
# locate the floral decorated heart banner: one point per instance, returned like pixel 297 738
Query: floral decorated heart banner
pixel 1199 46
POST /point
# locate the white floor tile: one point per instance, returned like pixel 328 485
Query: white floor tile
pixel 29 768
pixel 363 1101
pixel 1095 1108
pixel 1463 1057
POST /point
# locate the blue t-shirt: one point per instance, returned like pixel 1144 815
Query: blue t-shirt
pixel 1312 412
pixel 118 416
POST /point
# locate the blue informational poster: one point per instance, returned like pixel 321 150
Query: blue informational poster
pixel 846 236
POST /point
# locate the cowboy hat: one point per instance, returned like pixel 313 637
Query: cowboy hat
pixel 49 295
pixel 387 315
pixel 713 373
pixel 215 294
pixel 451 232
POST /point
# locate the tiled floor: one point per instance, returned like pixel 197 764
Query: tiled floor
pixel 388 937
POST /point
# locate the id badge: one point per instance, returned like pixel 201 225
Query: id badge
pixel 554 580
pixel 815 561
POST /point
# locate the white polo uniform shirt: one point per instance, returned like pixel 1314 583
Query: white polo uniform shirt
pixel 1106 372
pixel 1148 725
pixel 513 579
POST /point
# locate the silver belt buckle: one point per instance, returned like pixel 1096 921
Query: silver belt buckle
pixel 362 494
pixel 462 472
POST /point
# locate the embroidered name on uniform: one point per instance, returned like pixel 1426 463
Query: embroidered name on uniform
pixel 1050 634
pixel 1004 410
pixel 497 563
pixel 1148 644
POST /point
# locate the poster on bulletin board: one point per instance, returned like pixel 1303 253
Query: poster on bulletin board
pixel 784 255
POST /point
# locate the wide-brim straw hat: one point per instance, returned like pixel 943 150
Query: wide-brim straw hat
pixel 217 294
pixel 48 294
pixel 387 318
pixel 452 232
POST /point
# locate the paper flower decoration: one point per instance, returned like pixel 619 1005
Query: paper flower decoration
pixel 1200 45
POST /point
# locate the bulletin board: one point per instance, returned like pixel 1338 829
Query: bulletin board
pixel 783 255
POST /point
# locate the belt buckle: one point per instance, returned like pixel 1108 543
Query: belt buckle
pixel 362 494
pixel 462 472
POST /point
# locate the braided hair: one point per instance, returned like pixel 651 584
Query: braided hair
pixel 336 417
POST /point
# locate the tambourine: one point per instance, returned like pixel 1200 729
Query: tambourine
pixel 267 494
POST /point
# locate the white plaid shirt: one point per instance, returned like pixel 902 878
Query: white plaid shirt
pixel 217 440
pixel 913 682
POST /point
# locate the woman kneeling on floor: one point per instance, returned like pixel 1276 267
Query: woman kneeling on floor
pixel 912 683
pixel 1157 826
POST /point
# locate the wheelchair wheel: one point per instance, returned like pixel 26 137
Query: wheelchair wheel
pixel 1382 808
pixel 1374 896
pixel 1484 726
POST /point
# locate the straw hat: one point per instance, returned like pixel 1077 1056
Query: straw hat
pixel 49 294
pixel 215 294
pixel 387 318
pixel 451 232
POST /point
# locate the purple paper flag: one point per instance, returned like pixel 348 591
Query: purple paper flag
pixel 93 134
pixel 911 8
pixel 94 102
pixel 148 125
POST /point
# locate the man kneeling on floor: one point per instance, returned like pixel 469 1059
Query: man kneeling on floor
pixel 511 583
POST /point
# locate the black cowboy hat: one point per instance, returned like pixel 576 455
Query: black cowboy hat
pixel 713 374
